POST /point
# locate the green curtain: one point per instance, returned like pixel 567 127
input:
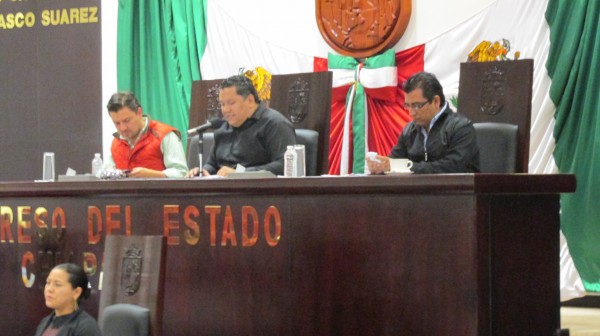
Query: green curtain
pixel 159 47
pixel 574 67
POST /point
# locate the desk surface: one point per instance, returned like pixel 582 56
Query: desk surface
pixel 397 184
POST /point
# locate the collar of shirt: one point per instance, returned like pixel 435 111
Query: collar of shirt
pixel 437 116
pixel 434 119
pixel 260 109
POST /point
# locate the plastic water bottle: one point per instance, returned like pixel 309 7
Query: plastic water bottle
pixel 290 161
pixel 96 164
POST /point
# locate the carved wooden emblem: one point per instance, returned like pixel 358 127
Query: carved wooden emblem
pixel 131 270
pixel 362 28
pixel 493 91
pixel 298 95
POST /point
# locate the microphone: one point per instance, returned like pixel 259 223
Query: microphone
pixel 213 123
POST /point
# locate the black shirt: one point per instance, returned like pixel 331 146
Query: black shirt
pixel 78 323
pixel 258 144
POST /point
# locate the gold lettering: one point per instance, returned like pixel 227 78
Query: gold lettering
pixel 45 18
pixel 23 224
pixel 58 216
pixel 83 14
pixel 90 263
pixel 93 14
pixel 56 17
pixel 64 17
pixel 228 229
pixel 169 224
pixel 249 211
pixel 6 218
pixel 111 223
pixel 272 213
pixel 128 220
pixel 74 15
pixel 192 235
pixel 40 214
pixel 28 259
pixel 213 211
pixel 94 216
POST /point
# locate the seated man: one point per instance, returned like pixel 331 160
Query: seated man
pixel 254 136
pixel 437 140
pixel 144 147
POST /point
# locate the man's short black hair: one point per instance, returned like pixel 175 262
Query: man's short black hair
pixel 243 86
pixel 123 99
pixel 428 83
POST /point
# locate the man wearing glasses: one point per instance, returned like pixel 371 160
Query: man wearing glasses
pixel 437 140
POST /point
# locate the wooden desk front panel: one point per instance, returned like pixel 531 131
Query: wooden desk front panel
pixel 332 262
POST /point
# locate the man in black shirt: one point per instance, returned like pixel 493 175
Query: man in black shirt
pixel 255 137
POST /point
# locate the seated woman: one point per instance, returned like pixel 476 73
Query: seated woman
pixel 65 287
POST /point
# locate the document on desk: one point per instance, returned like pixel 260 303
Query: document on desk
pixel 251 175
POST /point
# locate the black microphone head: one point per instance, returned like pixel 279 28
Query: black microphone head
pixel 216 122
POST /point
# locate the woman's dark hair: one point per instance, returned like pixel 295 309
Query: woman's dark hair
pixel 428 83
pixel 243 86
pixel 123 99
pixel 77 278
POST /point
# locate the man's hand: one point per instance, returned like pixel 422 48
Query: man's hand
pixel 224 171
pixel 196 172
pixel 380 165
pixel 193 172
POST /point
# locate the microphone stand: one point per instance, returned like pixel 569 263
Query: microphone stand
pixel 200 150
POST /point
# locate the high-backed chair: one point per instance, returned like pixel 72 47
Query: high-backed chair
pixel 304 98
pixel 134 271
pixel 499 92
pixel 497 147
pixel 124 319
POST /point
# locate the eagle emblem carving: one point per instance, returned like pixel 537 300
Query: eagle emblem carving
pixel 362 28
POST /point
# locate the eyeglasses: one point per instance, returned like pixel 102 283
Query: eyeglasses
pixel 415 106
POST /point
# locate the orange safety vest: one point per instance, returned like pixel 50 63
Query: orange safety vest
pixel 146 152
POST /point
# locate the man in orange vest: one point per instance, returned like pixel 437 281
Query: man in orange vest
pixel 143 147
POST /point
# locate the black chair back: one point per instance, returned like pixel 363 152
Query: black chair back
pixel 497 147
pixel 124 319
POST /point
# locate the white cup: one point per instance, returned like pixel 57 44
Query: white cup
pixel 300 160
pixel 48 167
pixel 400 165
